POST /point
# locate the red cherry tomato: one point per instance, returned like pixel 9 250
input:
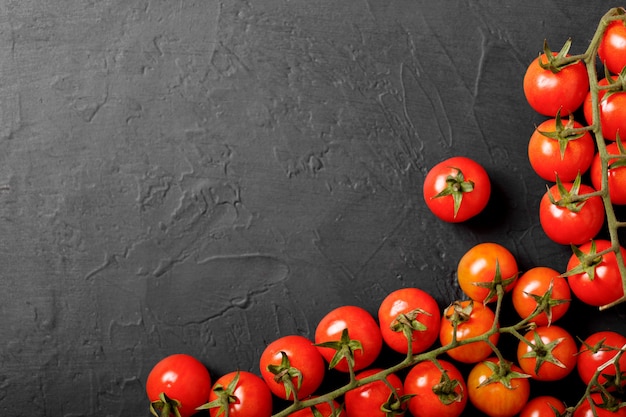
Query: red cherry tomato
pixel 483 264
pixel 543 406
pixel 612 112
pixel 435 393
pixel 616 175
pixel 326 409
pixel 549 353
pixel 472 319
pixel 573 223
pixel 361 327
pixel 414 310
pixel 534 284
pixel 456 189
pixel 375 399
pixel 598 282
pixel 302 364
pixel 612 48
pixel 585 410
pixel 548 92
pixel 244 395
pixel 499 398
pixel 180 377
pixel 561 155
pixel 598 349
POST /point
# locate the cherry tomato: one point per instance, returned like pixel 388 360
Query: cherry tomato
pixel 332 409
pixel 360 326
pixel 616 175
pixel 375 399
pixel 570 223
pixel 435 393
pixel 545 285
pixel 473 319
pixel 548 92
pixel 244 395
pixel 612 112
pixel 597 282
pixel 543 406
pixel 596 350
pixel 182 378
pixel 456 189
pixel 496 396
pixel 409 310
pixel 551 354
pixel 553 153
pixel 612 48
pixel 484 265
pixel 585 409
pixel 298 360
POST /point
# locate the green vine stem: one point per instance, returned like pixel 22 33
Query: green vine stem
pixel 589 58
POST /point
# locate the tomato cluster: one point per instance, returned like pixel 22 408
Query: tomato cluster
pixel 452 357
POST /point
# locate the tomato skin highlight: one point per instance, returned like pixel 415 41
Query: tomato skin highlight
pixel 478 266
pixel 404 301
pixel 366 400
pixel 303 355
pixel 253 396
pixel 612 112
pixel 616 176
pixel 361 327
pixel 612 47
pixel 588 359
pixel 545 158
pixel 472 202
pixel 480 321
pixel 565 226
pixel 606 286
pixel 537 281
pixel 585 409
pixel 324 408
pixel 183 378
pixel 420 381
pixel 564 352
pixel 547 92
pixel 495 399
pixel 543 406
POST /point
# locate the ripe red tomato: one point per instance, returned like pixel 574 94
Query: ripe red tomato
pixel 182 378
pixel 482 266
pixel 326 409
pixel 612 48
pixel 547 92
pixel 597 282
pixel 597 349
pixel 616 175
pixel 574 222
pixel 456 189
pixel 545 285
pixel 409 309
pixel 375 399
pixel 496 396
pixel 435 393
pixel 553 153
pixel 361 327
pixel 612 112
pixel 543 406
pixel 242 393
pixel 473 319
pixel 549 353
pixel 302 364
pixel 585 409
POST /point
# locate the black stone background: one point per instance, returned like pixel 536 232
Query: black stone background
pixel 204 176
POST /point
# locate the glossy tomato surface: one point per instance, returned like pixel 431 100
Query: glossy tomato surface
pixel 616 175
pixel 374 399
pixel 591 408
pixel 546 285
pixel 182 378
pixel 612 109
pixel 325 409
pixel 612 48
pixel 249 397
pixel 598 349
pixel 412 309
pixel 543 406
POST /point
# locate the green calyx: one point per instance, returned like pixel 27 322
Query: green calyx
pixel 456 185
pixel 497 281
pixel 448 390
pixel 344 349
pixel 502 374
pixel 556 62
pixel 587 262
pixel 165 406
pixel 545 302
pixel 563 133
pixel 225 397
pixel 285 373
pixel 542 352
pixel 570 200
pixel 408 323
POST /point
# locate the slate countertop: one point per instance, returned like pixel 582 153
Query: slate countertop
pixel 204 177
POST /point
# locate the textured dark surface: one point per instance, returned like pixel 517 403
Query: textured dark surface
pixel 203 176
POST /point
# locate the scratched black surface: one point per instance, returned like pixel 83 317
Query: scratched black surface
pixel 203 176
